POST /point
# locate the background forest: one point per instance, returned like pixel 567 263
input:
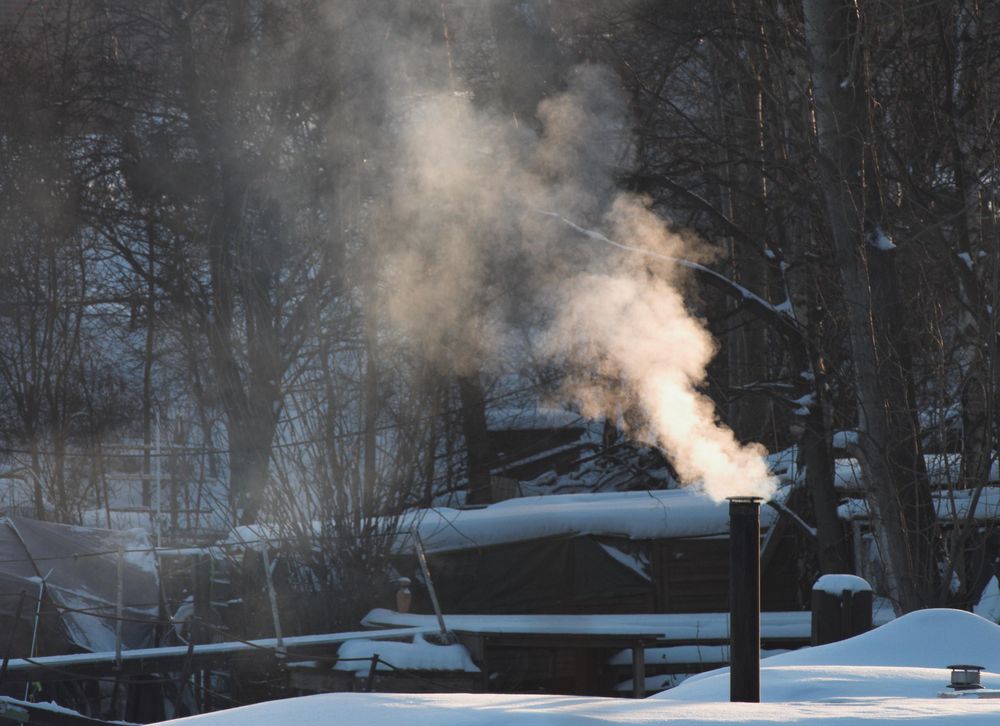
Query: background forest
pixel 286 259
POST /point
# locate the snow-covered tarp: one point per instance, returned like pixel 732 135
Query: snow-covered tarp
pixel 655 514
pixel 660 514
pixel 79 566
pixel 895 674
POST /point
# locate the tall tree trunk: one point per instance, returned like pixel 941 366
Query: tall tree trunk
pixel 889 444
pixel 476 432
pixel 370 408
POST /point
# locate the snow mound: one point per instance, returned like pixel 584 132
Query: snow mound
pixel 451 709
pixel 932 638
pixel 908 657
pixel 892 674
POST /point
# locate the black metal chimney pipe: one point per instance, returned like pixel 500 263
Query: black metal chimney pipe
pixel 744 599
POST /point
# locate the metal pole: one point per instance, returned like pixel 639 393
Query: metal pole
pixel 419 545
pixel 34 629
pixel 279 648
pixel 744 599
pixel 156 469
pixel 119 608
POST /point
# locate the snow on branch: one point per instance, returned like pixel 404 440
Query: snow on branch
pixel 779 317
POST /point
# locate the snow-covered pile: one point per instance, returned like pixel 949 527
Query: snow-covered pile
pixel 895 673
pixel 906 657
pixel 379 709
pixel 420 655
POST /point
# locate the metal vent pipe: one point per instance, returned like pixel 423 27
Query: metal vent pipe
pixel 744 599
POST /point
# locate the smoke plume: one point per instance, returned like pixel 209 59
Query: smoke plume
pixel 479 211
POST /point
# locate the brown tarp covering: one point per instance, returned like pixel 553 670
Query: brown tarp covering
pixel 564 574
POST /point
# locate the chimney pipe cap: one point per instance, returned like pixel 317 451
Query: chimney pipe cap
pixel 965 677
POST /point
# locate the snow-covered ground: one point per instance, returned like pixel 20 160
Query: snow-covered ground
pixel 896 673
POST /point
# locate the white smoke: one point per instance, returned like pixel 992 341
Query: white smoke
pixel 465 212
pixel 631 323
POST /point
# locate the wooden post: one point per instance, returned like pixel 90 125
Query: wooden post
pixel 744 599
pixel 841 608
pixel 638 669
pixel 372 669
pixel 404 597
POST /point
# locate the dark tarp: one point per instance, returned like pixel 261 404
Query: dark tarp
pixel 564 574
pixel 80 569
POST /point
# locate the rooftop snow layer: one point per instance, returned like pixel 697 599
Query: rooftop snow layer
pixel 657 514
pixel 635 515
pixel 521 419
pixel 942 470
pixel 950 505
pixel 668 626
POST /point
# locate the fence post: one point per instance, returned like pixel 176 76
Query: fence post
pixel 841 608
pixel 370 683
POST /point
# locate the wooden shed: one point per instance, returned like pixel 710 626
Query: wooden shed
pixel 623 552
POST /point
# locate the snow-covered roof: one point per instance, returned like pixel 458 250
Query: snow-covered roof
pixel 950 505
pixel 654 514
pixel 534 419
pixel 659 514
pixel 942 470
pixel 667 626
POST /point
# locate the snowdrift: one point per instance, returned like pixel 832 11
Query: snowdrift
pixel 894 673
